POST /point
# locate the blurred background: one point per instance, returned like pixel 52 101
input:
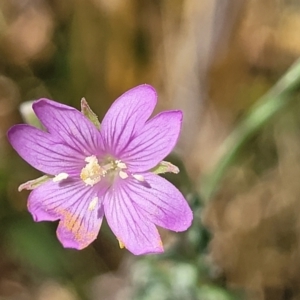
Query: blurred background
pixel 211 58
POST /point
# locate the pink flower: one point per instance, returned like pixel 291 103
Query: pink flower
pixel 94 172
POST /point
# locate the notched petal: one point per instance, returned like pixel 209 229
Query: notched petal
pixel 127 116
pixel 154 142
pixel 43 151
pixel 163 204
pixel 136 233
pixel 77 207
pixel 69 125
pixel 76 230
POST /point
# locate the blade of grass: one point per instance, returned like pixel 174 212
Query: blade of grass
pixel 261 112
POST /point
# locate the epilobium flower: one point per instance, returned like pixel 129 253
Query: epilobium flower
pixel 92 173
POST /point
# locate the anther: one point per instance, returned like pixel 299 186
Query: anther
pixel 60 177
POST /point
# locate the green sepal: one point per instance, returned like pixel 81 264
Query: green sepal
pixel 32 184
pixel 165 167
pixel 29 115
pixel 86 110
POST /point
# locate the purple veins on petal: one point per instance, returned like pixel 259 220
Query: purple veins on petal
pixel 162 204
pixel 127 116
pixel 137 234
pixel 91 173
pixel 70 125
pixel 154 142
pixel 43 151
pixel 76 206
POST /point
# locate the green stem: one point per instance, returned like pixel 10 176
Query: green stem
pixel 261 112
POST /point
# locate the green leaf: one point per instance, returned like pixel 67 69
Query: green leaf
pixel 86 110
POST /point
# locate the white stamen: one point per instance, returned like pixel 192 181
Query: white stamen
pixel 60 177
pixel 93 203
pixel 123 174
pixel 121 165
pixel 138 177
pixel 91 158
pixel 94 170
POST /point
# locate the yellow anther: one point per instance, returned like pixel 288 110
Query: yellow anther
pixel 122 246
pixel 92 172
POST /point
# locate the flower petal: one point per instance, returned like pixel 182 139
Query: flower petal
pixel 136 233
pixel 156 140
pixel 161 203
pixel 127 116
pixel 44 152
pixel 76 206
pixel 70 125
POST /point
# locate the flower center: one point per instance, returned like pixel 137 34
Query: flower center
pixel 93 172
